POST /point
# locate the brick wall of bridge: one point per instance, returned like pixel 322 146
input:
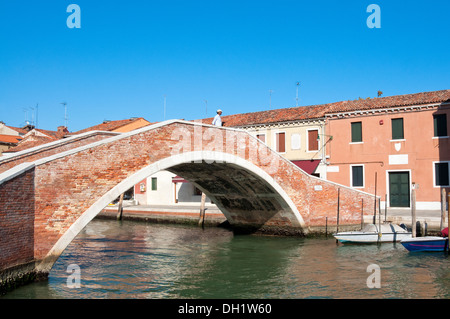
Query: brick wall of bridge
pixel 68 186
pixel 47 150
pixel 17 220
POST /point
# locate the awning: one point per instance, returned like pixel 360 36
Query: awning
pixel 309 166
pixel 179 179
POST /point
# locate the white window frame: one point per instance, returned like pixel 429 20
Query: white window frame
pixel 351 175
pixel 434 173
pixel 262 133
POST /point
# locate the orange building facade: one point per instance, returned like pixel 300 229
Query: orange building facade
pixel 389 150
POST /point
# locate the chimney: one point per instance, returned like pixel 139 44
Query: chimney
pixel 28 127
pixel 63 129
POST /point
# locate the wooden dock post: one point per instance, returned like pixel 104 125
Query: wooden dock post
pixel 120 210
pixel 202 211
pixel 413 211
pixel 448 223
pixel 375 204
pixel 337 219
pixel 362 213
pixel 443 209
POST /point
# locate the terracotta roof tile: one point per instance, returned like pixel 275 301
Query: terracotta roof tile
pixel 10 139
pixel 29 142
pixel 319 111
pixel 109 125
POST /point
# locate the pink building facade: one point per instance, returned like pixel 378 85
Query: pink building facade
pixel 390 147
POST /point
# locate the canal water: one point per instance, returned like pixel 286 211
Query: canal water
pixel 111 259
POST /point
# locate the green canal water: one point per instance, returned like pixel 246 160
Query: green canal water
pixel 139 260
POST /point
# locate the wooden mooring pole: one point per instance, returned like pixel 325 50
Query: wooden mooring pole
pixel 448 224
pixel 443 209
pixel 362 213
pixel 375 204
pixel 413 211
pixel 337 219
pixel 120 210
pixel 202 211
pixel 385 207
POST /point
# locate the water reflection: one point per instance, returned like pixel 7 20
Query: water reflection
pixel 138 260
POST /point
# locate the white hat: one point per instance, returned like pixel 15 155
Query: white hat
pixel 219 110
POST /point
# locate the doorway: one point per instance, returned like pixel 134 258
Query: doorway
pixel 399 195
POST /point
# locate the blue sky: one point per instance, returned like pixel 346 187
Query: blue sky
pixel 128 55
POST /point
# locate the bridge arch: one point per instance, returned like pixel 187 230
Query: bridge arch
pixel 253 185
pixel 280 200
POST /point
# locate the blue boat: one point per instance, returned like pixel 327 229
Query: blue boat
pixel 427 243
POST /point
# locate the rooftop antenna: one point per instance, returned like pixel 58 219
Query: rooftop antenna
pixel 25 110
pixel 32 115
pixel 37 106
pixel 296 95
pixel 65 113
pixel 270 99
pixel 206 102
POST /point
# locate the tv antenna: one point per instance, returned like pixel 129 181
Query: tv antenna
pixel 65 113
pixel 270 98
pixel 296 95
pixel 37 112
pixel 206 102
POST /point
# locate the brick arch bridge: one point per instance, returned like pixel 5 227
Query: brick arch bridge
pixel 44 204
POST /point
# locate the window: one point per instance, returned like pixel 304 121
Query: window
pixel 261 137
pixel 197 191
pixel 295 141
pixel 356 132
pixel 281 142
pixel 397 129
pixel 313 143
pixel 357 177
pixel 154 183
pixel 441 177
pixel 440 125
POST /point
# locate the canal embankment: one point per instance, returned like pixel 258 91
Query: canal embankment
pixel 428 222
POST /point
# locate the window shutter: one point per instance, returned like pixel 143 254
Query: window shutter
pixel 313 144
pixel 356 132
pixel 261 137
pixel 440 125
pixel 397 129
pixel 281 142
pixel 357 176
pixel 441 174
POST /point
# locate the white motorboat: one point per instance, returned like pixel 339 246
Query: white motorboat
pixel 371 233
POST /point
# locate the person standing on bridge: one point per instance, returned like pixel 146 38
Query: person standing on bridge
pixel 217 119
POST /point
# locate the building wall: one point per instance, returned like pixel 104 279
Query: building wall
pixel 380 155
pixel 296 140
pixel 133 126
pixel 167 192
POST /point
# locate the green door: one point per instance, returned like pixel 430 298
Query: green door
pixel 399 189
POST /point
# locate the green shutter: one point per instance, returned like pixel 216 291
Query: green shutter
pixel 440 125
pixel 441 174
pixel 397 129
pixel 154 183
pixel 356 132
pixel 357 176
